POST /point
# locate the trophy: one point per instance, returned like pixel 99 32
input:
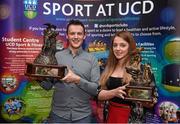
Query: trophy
pixel 45 64
pixel 141 87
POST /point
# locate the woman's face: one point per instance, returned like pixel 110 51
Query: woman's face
pixel 120 48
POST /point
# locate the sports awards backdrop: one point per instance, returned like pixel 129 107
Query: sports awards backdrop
pixel 153 23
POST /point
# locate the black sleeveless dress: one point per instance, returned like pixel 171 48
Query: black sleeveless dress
pixel 118 109
pixel 115 82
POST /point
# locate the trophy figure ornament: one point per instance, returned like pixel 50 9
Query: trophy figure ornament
pixel 45 64
pixel 141 87
pixel 47 55
pixel 141 74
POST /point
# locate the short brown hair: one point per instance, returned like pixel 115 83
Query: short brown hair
pixel 75 22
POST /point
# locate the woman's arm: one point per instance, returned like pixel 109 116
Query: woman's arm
pixel 109 94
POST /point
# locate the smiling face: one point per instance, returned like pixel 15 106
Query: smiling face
pixel 76 36
pixel 120 48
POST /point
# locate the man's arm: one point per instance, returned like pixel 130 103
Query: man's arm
pixel 92 85
pixel 46 84
pixel 89 86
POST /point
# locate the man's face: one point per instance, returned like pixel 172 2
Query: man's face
pixel 76 36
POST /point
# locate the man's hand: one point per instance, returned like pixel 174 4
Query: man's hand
pixel 71 77
pixel 35 79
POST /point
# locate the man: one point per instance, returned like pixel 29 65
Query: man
pixel 70 103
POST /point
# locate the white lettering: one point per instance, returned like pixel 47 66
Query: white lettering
pixel 120 9
pixel 101 10
pixel 56 7
pixel 88 9
pixel 46 8
pixel 78 9
pixel 144 7
pixel 70 7
pixel 110 8
pixel 133 6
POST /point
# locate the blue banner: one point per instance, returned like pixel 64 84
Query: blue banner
pixel 153 23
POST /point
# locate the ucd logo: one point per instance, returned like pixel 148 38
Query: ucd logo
pixel 30 7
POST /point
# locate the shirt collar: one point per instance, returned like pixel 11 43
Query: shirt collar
pixel 80 50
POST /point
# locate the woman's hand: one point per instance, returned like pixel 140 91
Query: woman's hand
pixel 150 104
pixel 119 92
pixel 109 94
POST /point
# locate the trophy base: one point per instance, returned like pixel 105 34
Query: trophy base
pixel 139 93
pixel 40 70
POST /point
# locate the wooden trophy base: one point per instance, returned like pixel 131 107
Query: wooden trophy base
pixel 39 70
pixel 139 93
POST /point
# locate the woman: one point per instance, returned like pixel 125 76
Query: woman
pixel 114 79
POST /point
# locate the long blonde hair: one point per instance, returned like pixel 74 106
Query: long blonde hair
pixel 112 61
